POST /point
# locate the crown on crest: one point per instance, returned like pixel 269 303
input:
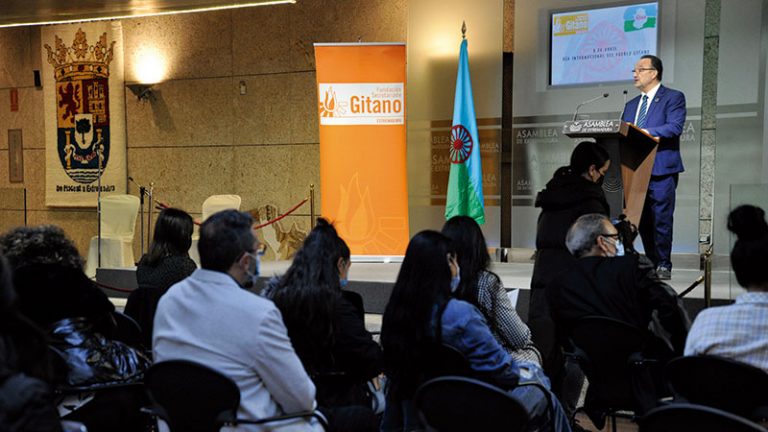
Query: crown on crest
pixel 80 60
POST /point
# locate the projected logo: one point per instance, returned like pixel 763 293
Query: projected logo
pixel 569 25
pixel 639 18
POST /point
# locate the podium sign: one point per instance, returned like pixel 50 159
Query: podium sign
pixel 632 152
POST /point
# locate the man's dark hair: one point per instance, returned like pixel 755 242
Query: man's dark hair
pixel 656 64
pixel 224 237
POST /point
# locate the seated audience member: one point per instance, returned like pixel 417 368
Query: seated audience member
pixel 604 282
pixel 210 319
pixel 573 191
pixel 25 398
pixel 55 293
pixel 421 313
pixel 166 263
pixel 483 289
pixel 326 324
pixel 740 331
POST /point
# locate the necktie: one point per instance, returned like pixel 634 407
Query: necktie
pixel 643 111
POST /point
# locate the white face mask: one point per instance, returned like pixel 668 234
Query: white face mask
pixel 619 248
pixel 456 280
pixel 253 269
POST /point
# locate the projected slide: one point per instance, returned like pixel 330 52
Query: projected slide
pixel 601 45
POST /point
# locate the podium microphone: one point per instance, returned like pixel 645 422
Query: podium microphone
pixel 575 113
pixel 623 107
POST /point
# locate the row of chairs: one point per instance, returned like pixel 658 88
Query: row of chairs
pixel 693 384
pixel 456 404
pixel 118 228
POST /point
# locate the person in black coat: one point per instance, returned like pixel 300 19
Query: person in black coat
pixel 602 281
pixel 574 190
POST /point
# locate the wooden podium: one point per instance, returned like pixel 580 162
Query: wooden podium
pixel 632 153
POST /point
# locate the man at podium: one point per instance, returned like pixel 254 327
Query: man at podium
pixel 660 111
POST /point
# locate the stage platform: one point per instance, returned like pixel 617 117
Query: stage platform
pixel 374 281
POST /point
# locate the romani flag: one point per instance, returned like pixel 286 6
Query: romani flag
pixel 465 181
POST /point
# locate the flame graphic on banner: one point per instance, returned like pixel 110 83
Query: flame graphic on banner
pixel 357 219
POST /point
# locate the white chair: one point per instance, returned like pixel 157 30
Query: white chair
pixel 118 226
pixel 213 204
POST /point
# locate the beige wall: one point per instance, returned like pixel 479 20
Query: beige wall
pixel 200 136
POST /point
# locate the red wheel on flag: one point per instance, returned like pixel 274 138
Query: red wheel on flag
pixel 461 144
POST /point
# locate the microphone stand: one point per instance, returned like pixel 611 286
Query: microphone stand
pixel 150 194
pixel 98 201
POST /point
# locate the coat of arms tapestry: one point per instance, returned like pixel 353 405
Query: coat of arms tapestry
pixel 84 105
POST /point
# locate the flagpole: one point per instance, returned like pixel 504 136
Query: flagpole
pixel 463 30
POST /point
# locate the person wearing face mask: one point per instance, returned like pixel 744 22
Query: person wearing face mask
pixel 574 190
pixel 601 282
pixel 210 319
pixel 422 313
pixel 326 324
pixel 475 283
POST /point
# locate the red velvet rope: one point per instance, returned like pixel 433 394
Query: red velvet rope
pixel 110 287
pixel 162 206
pixel 293 209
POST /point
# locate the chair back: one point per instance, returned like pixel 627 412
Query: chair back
pixel 216 203
pixel 127 330
pixel 453 403
pixel 118 215
pixel 191 397
pixel 690 417
pixel 720 383
pixel 442 360
pixel 609 344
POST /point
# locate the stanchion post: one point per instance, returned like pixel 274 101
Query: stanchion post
pixel 312 206
pixel 708 277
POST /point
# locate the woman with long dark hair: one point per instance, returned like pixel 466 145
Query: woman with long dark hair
pixel 421 313
pixel 166 263
pixel 167 260
pixel 740 331
pixel 325 323
pixel 483 289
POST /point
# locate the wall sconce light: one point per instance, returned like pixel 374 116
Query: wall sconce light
pixel 143 92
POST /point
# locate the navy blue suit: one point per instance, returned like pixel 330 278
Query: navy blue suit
pixel 665 119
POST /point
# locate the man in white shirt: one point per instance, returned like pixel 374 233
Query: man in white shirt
pixel 210 319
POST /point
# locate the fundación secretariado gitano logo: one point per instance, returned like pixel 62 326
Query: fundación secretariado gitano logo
pixel 568 25
pixel 342 104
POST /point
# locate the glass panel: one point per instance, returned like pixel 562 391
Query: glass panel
pixel 434 36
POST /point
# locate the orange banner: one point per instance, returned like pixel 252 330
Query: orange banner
pixel 361 107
